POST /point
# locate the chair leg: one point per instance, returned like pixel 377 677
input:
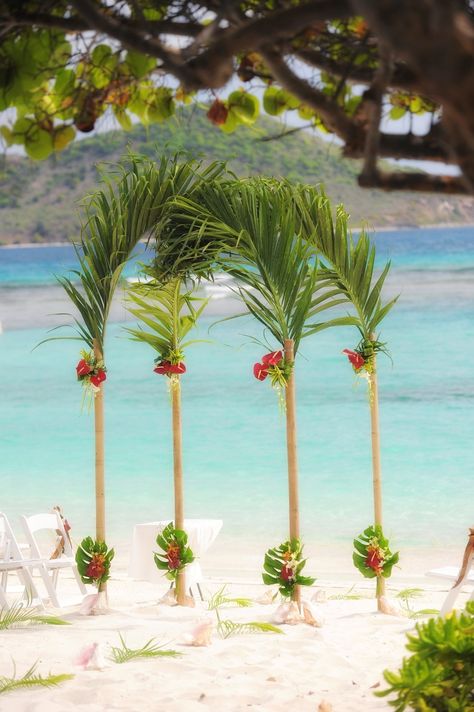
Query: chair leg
pixel 50 588
pixel 80 582
pixel 4 605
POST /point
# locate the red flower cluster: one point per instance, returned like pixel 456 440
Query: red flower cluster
pixel 260 370
pixel 375 559
pixel 355 359
pixel 287 573
pixel 174 562
pixel 96 568
pixel 85 369
pixel 166 368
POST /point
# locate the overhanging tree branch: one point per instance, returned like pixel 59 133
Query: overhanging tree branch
pixel 330 112
pixel 422 182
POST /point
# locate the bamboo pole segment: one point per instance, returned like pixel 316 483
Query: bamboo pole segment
pixel 294 514
pixel 178 478
pixel 99 461
pixel 99 455
pixel 376 464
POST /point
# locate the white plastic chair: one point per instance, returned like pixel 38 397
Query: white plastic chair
pixel 461 576
pixel 51 524
pixel 12 561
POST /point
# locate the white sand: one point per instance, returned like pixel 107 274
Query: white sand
pixel 340 663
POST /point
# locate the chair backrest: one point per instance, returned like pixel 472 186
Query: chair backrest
pixel 9 548
pixel 49 524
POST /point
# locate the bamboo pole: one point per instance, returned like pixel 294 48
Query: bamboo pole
pixel 294 515
pixel 376 464
pixel 99 459
pixel 178 478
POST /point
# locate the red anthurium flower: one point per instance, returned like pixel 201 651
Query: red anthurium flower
pixel 83 368
pixel 162 368
pixel 97 379
pixel 177 367
pixel 96 568
pixel 101 375
pixel 273 358
pixel 374 560
pixel 260 371
pixel 287 573
pixel 356 359
pixel 172 555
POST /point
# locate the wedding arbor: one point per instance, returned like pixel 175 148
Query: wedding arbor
pixel 270 235
pixel 129 208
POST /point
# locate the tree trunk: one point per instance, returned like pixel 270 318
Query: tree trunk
pixel 376 467
pixel 178 478
pixel 99 460
pixel 292 456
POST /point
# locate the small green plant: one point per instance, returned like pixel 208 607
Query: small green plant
pixel 31 679
pixel 406 595
pixel 226 628
pixel 124 654
pixel 439 676
pixel 21 614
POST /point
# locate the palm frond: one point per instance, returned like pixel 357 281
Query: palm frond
pixel 21 614
pixel 124 654
pixel 249 229
pixel 346 264
pixel 131 206
pixel 220 599
pixel 168 312
pixel 31 679
pixel 227 628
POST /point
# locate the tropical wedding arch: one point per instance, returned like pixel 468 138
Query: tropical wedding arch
pixel 291 262
pixel 129 207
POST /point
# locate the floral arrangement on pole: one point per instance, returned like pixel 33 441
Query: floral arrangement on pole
pixel 91 373
pixel 171 365
pixel 282 567
pixel 362 358
pixel 277 368
pixel 176 552
pixel 372 555
pixel 93 560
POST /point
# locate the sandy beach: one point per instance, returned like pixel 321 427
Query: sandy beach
pixel 340 663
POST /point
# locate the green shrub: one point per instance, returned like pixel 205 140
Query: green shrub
pixel 439 676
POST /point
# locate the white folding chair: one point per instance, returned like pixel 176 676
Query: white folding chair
pixel 47 530
pixel 12 561
pixel 461 577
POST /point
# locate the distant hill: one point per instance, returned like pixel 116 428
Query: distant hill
pixel 39 201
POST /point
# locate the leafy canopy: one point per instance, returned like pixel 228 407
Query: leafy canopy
pixel 64 65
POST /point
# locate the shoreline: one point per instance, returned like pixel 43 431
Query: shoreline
pixel 375 228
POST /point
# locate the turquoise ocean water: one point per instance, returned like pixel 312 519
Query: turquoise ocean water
pixel 234 435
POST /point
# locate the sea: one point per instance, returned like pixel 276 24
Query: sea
pixel 234 446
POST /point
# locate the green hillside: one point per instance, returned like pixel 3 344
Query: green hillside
pixel 39 201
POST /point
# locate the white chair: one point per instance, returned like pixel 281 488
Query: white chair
pixel 461 576
pixel 12 561
pixel 47 530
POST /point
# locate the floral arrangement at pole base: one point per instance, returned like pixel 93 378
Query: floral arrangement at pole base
pixel 93 559
pixel 176 552
pixel 277 368
pixel 91 373
pixel 283 566
pixel 372 555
